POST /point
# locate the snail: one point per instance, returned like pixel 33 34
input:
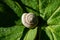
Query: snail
pixel 29 20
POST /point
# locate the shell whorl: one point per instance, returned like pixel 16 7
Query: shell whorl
pixel 29 20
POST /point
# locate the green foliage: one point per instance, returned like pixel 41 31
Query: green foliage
pixel 48 12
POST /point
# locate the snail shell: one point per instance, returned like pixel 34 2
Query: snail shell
pixel 29 20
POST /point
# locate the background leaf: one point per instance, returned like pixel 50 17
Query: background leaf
pixel 31 34
pixel 55 18
pixel 31 6
pixel 53 32
pixel 47 11
pixel 10 20
pixel 47 8
pixel 11 33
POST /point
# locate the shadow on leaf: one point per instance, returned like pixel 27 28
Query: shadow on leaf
pixel 41 35
pixel 7 16
pixel 22 5
pixel 25 6
pixel 24 33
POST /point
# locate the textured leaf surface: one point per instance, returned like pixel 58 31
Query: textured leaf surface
pixel 11 33
pixel 55 18
pixel 53 32
pixel 10 20
pixel 31 34
pixel 31 6
pixel 50 11
pixel 11 27
pixel 47 8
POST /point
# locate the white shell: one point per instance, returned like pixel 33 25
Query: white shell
pixel 29 20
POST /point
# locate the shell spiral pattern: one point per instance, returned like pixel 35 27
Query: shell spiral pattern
pixel 29 20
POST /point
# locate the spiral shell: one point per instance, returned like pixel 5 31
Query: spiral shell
pixel 29 20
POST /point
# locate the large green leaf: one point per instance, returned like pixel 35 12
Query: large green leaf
pixel 31 6
pixel 50 11
pixel 53 32
pixel 48 7
pixel 11 27
pixel 16 8
pixel 31 34
pixel 11 33
pixel 55 18
pixel 10 20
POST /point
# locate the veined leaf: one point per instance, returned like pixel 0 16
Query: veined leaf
pixel 31 34
pixel 53 32
pixel 11 27
pixel 55 18
pixel 48 7
pixel 11 33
